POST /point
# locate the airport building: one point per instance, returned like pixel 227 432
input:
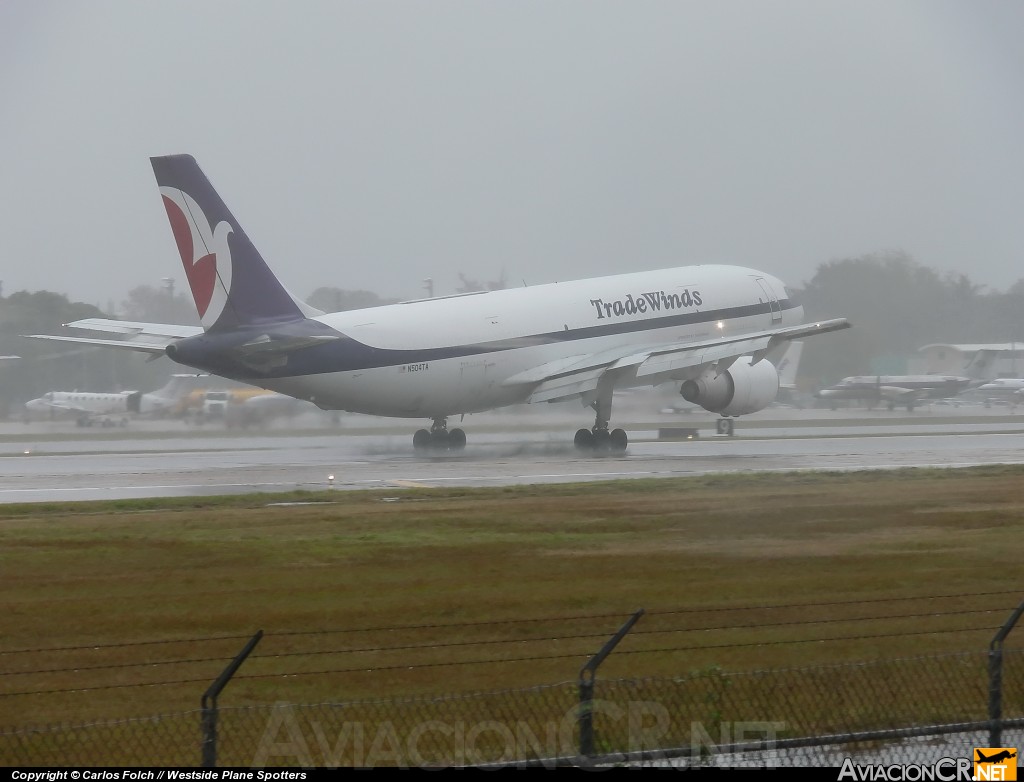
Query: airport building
pixel 986 361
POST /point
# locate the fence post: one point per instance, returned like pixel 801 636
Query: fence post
pixel 995 678
pixel 209 702
pixel 587 674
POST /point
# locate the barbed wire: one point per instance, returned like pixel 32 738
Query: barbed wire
pixel 125 644
pixel 456 625
pixel 493 661
pixel 494 642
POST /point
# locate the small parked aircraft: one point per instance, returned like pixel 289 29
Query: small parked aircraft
pixel 107 409
pixel 894 390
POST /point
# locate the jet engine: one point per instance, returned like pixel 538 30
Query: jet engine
pixel 741 389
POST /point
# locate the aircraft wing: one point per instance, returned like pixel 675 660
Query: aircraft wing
pixel 580 375
pixel 149 338
pixel 897 392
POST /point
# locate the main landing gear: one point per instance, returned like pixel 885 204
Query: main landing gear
pixel 599 439
pixel 439 438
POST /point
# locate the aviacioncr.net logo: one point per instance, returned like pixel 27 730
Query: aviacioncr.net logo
pixel 943 770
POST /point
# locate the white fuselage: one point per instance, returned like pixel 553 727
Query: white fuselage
pixel 1003 388
pixel 55 403
pixel 593 316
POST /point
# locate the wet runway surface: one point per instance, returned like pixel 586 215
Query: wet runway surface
pixel 51 464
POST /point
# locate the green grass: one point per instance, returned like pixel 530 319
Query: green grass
pixel 533 579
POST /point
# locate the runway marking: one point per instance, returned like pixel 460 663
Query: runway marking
pixel 418 484
pixel 56 489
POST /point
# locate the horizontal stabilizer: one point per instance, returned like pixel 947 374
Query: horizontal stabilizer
pixel 156 348
pixel 151 338
pixel 135 328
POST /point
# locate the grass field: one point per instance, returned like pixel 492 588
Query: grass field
pixel 132 608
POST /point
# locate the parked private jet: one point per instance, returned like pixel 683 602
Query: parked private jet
pixel 1002 389
pixel 716 330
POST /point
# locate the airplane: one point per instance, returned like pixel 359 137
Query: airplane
pixel 996 758
pixel 717 330
pixel 261 409
pixel 85 406
pixel 107 408
pixel 245 406
pixel 895 389
pixel 1006 389
pixel 209 399
pixel 214 402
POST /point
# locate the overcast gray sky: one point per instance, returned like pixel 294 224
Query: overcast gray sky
pixel 374 144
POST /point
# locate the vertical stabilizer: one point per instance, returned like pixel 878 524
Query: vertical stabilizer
pixel 231 283
pixel 179 385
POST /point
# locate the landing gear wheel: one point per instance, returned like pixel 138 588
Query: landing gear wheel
pixel 584 440
pixel 422 440
pixel 598 439
pixel 456 440
pixel 439 440
pixel 617 441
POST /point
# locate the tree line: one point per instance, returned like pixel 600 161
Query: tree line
pixel 897 306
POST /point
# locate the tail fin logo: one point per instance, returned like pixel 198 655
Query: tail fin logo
pixel 204 253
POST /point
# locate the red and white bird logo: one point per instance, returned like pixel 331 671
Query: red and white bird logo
pixel 204 253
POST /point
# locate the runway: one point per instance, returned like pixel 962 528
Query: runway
pixel 151 459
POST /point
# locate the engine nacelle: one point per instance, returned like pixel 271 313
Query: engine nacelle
pixel 739 390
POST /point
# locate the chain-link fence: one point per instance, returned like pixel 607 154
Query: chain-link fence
pixel 912 709
pixel 286 708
